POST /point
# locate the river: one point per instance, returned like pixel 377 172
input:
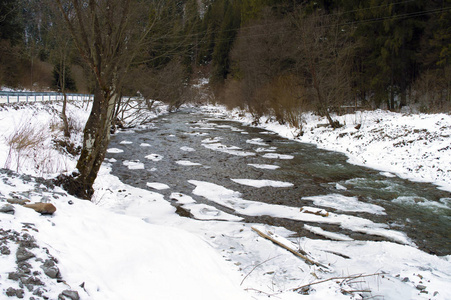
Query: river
pixel 189 145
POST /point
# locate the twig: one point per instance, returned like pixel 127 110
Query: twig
pixel 335 278
pixel 308 260
pixel 256 266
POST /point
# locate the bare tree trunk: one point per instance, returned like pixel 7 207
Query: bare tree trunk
pixel 64 116
pixel 95 143
pixel 323 109
pixel 62 76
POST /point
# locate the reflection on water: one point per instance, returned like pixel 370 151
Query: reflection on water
pixel 215 151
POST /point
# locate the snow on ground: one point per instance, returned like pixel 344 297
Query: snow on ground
pixel 34 130
pixel 118 256
pixel 412 146
pixel 129 243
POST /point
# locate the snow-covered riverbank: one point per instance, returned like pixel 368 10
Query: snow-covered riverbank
pixel 129 243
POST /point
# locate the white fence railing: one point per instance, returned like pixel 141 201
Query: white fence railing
pixel 15 97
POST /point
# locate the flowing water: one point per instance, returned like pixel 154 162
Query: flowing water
pixel 420 210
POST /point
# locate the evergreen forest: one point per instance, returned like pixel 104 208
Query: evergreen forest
pixel 277 57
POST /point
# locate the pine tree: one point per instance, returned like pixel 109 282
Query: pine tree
pixel 224 41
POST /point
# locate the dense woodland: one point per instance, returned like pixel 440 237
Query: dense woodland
pixel 279 57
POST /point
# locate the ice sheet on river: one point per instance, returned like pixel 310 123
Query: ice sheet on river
pixel 344 203
pixel 278 156
pixel 257 141
pixel 202 211
pixel 155 157
pixel 232 199
pixel 258 183
pixel 187 163
pixel 133 165
pixel 233 150
pixel 264 166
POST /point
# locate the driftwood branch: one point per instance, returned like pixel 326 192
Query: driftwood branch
pixel 305 258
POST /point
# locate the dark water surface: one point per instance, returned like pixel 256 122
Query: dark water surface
pixel 420 210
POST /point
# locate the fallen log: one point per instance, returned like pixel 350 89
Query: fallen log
pixel 305 258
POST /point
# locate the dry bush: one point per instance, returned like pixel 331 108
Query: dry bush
pixel 287 99
pixel 231 95
pixel 258 58
pixel 23 141
pixel 324 58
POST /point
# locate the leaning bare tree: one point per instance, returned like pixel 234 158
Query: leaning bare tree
pixel 109 35
pixel 325 47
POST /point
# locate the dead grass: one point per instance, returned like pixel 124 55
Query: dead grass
pixel 24 140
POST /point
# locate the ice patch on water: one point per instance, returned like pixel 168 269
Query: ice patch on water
pixel 278 156
pixel 233 150
pixel 232 199
pixel 258 183
pixel 155 157
pixel 257 141
pixel 344 203
pixel 187 163
pixel 145 145
pixel 157 185
pixel 182 198
pixel 263 166
pixel 211 140
pixel 126 143
pixel 270 149
pixel 114 150
pixel 187 149
pixel 133 165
